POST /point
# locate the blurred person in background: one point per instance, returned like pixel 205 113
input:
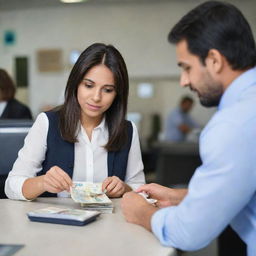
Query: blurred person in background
pixel 179 123
pixel 10 108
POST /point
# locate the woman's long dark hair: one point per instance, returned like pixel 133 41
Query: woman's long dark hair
pixel 70 111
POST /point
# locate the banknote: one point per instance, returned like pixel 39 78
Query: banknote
pixel 88 188
pixel 146 196
pixel 89 193
pixel 106 208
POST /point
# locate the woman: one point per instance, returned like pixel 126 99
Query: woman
pixel 85 139
pixel 10 108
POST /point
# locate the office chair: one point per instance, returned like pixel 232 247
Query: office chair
pixel 11 141
pixel 8 123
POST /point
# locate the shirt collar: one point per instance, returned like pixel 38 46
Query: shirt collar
pixel 102 124
pixel 2 106
pixel 237 87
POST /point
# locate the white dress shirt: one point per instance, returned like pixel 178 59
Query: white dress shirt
pixel 90 162
pixel 2 106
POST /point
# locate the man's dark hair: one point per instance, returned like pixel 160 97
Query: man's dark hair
pixel 186 98
pixel 220 26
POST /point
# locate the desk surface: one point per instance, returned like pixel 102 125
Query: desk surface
pixel 110 234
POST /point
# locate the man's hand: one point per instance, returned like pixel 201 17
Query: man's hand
pixel 56 180
pixel 185 129
pixel 114 187
pixel 165 196
pixel 137 210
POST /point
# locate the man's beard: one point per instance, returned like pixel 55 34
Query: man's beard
pixel 211 96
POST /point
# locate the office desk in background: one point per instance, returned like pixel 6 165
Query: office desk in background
pixel 110 234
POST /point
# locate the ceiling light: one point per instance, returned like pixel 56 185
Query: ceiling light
pixel 72 1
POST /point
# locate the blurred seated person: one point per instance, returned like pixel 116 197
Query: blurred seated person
pixel 10 108
pixel 179 124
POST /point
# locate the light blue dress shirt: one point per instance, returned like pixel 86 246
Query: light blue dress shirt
pixel 174 120
pixel 223 188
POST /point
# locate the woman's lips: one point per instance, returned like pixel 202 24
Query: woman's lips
pixel 93 107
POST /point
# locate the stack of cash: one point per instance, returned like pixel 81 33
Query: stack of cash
pixel 91 197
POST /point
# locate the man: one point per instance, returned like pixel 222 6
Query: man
pixel 179 124
pixel 216 52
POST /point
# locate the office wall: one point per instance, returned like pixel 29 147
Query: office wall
pixel 139 31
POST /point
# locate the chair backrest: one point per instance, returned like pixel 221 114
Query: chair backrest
pixel 11 141
pixel 12 135
pixel 9 123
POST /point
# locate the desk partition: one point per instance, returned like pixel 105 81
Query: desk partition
pixel 176 163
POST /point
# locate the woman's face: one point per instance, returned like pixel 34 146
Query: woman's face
pixel 96 93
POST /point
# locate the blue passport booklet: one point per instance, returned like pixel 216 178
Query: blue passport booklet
pixel 64 216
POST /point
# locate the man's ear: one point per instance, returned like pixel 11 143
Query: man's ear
pixel 215 60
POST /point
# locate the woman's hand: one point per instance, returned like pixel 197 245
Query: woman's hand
pixel 56 180
pixel 115 187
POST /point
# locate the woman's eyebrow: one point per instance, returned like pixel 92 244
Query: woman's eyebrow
pixel 111 85
pixel 89 80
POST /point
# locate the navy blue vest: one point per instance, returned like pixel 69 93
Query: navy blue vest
pixel 61 153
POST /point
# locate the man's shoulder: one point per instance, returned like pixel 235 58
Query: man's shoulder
pixel 237 119
pixel 240 112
